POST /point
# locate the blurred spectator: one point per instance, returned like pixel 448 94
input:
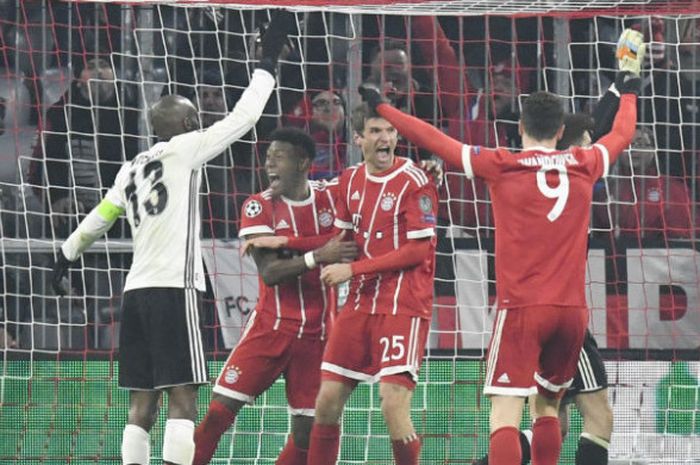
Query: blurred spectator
pixel 85 138
pixel 15 136
pixel 85 30
pixel 322 113
pixel 660 98
pixel 486 117
pixel 17 139
pixel 6 340
pixel 390 67
pixel 643 203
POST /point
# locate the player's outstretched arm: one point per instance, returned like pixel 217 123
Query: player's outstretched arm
pixel 95 224
pixel 415 130
pixel 200 147
pixel 275 270
pixel 408 255
pixel 630 55
pixel 300 244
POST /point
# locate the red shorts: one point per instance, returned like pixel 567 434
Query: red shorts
pixel 261 356
pixel 364 347
pixel 534 349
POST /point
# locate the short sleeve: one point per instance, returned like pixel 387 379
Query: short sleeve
pixel 421 212
pixel 117 193
pixel 256 217
pixel 482 162
pixel 595 160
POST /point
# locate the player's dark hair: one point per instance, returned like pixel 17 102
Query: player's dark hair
pixel 305 145
pixel 360 115
pixel 542 115
pixel 575 125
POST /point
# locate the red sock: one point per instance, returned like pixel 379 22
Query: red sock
pixel 324 444
pixel 406 451
pixel 291 454
pixel 504 446
pixel 546 441
pixel 207 434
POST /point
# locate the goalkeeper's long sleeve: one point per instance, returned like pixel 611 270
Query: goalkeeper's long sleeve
pixel 422 134
pixel 410 254
pixel 623 128
pixel 604 112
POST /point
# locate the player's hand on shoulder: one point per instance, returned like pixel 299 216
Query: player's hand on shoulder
pixel 264 242
pixel 630 51
pixel 433 168
pixel 372 94
pixel 336 273
pixel 337 250
pixel 60 268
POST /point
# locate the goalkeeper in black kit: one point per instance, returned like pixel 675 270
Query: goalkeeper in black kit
pixel 160 345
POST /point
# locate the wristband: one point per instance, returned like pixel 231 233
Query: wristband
pixel 310 260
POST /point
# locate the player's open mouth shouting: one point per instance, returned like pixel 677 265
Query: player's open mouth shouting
pixel 275 183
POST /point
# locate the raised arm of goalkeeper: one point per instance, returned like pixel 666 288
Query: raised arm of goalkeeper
pixel 630 53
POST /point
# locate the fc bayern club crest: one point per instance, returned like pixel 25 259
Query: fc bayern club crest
pixel 325 218
pixel 388 201
pixel 232 374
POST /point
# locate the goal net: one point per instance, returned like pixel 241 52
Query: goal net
pixel 76 80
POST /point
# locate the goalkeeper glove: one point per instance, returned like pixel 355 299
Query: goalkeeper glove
pixel 630 51
pixel 371 94
pixel 628 83
pixel 275 38
pixel 60 268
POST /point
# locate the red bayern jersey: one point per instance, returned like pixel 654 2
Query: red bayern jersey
pixel 384 212
pixel 301 306
pixel 541 202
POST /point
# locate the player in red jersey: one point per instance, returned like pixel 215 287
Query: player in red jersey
pixel 541 201
pixel 286 334
pixel 389 206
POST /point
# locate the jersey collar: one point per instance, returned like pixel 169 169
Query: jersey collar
pixel 400 165
pixel 300 203
pixel 537 148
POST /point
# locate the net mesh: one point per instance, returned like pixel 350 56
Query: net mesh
pixel 76 79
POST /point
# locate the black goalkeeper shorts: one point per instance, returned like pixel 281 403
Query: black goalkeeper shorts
pixel 590 371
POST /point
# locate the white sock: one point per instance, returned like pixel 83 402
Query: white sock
pixel 178 442
pixel 136 446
